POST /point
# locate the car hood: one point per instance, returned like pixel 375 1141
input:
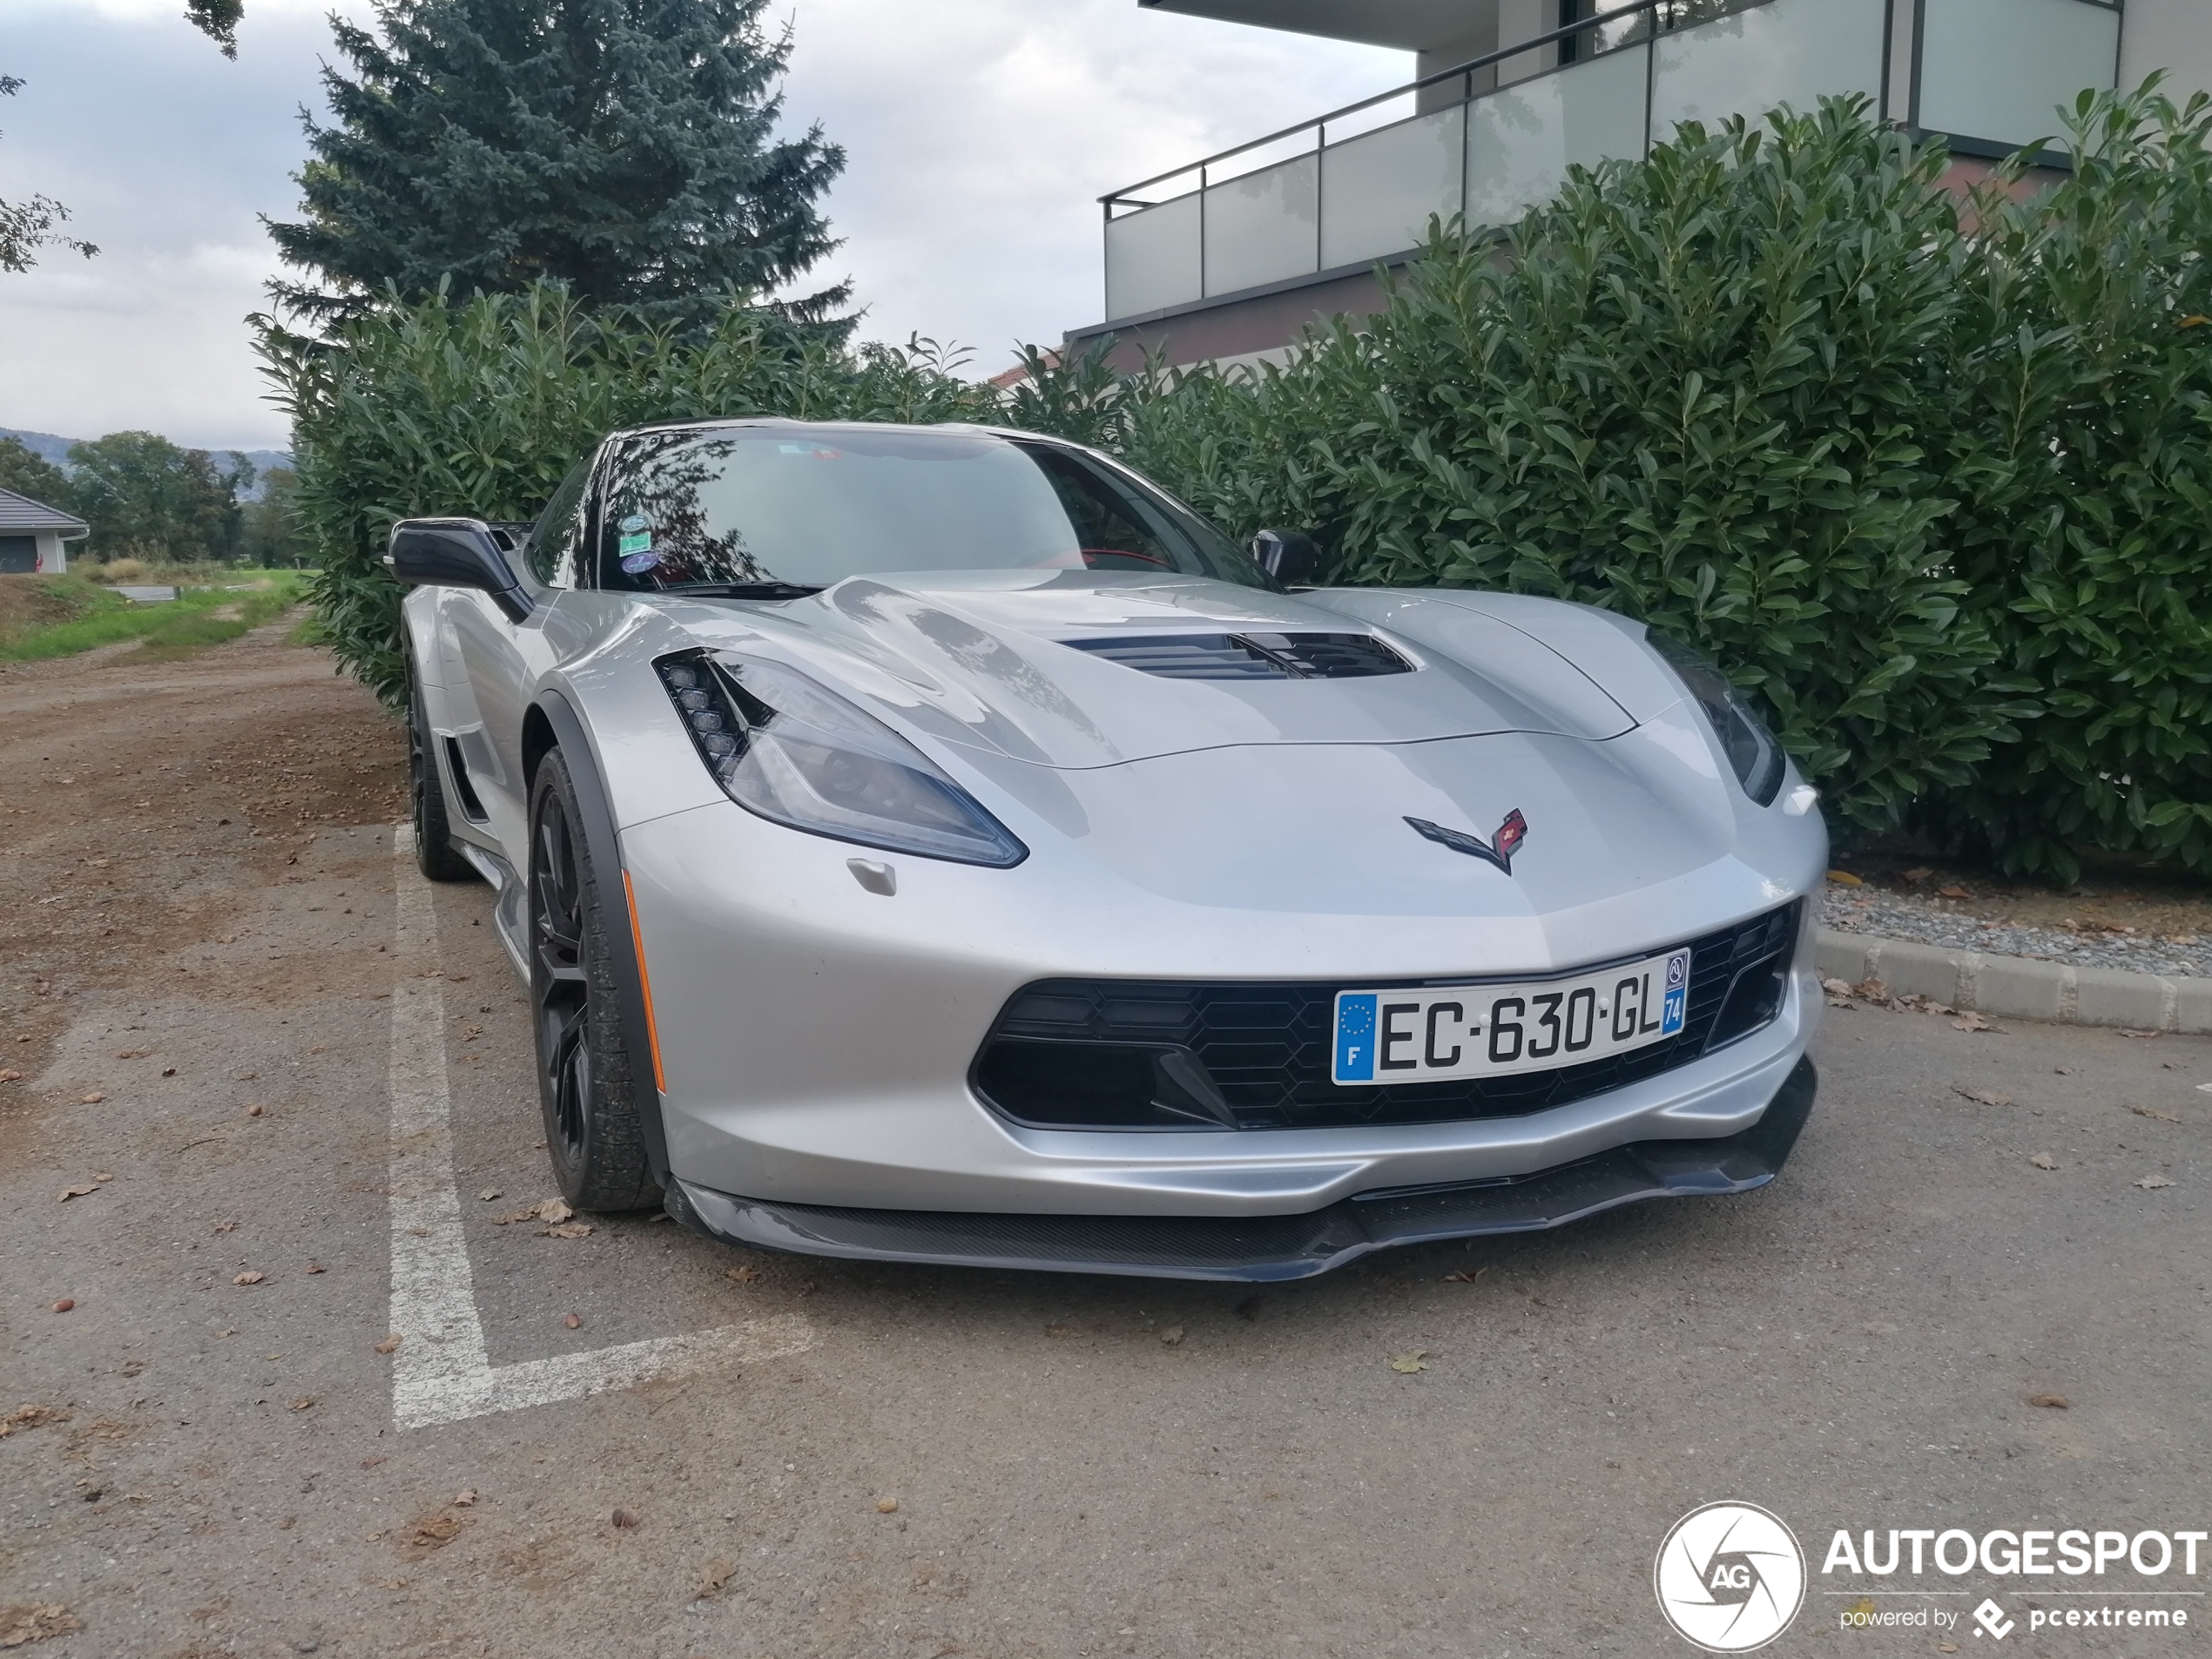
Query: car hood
pixel 984 660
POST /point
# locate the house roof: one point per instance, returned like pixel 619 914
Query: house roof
pixel 20 513
pixel 1411 25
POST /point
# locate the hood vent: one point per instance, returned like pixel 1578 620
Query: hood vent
pixel 1250 656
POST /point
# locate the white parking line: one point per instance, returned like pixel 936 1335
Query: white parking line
pixel 443 1371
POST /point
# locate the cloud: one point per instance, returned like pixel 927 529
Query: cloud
pixel 980 134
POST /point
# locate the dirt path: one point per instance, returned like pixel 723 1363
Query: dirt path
pixel 306 1077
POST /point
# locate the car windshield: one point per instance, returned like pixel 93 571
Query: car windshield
pixel 776 508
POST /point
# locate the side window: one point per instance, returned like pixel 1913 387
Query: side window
pixel 557 539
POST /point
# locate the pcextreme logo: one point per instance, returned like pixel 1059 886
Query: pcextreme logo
pixel 1730 1577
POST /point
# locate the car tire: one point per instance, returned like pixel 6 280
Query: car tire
pixel 435 854
pixel 594 1132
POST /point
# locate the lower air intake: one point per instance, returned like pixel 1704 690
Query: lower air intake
pixel 1126 1055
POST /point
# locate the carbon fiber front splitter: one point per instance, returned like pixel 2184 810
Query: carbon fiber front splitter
pixel 1268 1247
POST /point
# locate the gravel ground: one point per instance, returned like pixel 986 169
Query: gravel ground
pixel 1929 921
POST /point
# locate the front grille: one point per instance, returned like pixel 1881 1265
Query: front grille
pixel 1119 1054
pixel 1250 656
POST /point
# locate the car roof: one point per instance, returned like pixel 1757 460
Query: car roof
pixel 720 423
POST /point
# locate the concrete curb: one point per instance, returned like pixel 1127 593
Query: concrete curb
pixel 2017 986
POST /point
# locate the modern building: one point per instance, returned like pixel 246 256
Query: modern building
pixel 34 536
pixel 1229 257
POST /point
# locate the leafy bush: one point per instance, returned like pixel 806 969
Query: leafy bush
pixel 2082 453
pixel 479 407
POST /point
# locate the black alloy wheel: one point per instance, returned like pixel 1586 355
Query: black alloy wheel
pixel 435 854
pixel 586 1092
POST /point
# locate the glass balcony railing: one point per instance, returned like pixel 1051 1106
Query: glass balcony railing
pixel 1991 71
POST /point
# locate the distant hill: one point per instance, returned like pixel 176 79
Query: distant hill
pixel 50 447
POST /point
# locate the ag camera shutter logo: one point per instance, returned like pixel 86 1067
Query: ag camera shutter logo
pixel 1730 1577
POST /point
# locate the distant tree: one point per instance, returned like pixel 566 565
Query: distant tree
pixel 144 498
pixel 625 148
pixel 26 226
pixel 272 536
pixel 27 473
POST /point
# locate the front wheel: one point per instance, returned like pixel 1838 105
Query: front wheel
pixel 593 1130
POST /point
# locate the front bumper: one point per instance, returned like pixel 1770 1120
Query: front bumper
pixel 1264 1248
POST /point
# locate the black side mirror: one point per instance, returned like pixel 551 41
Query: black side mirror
pixel 455 553
pixel 1291 556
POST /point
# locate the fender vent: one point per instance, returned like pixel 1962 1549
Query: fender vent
pixel 1250 656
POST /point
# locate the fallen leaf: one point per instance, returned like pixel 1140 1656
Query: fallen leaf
pixel 94 1098
pixel 226 1227
pixel 1465 1277
pixel 103 1177
pixel 1172 1337
pixel 371 1462
pixel 745 1273
pixel 29 1622
pixel 1864 1606
pixel 1874 990
pixel 544 1209
pixel 2050 1402
pixel 1845 879
pixel 625 1518
pixel 464 1498
pixel 432 1530
pixel 77 1192
pixel 1921 874
pixel 719 1572
pixel 249 1278
pixel 2139 1034
pixel 568 1230
pixel 887 1506
pixel 1987 1096
pixel 2152 1111
pixel 8 1076
pixel 1407 1364
pixel 488 1194
pixel 131 1054
pixel 390 1344
pixel 64 1304
pixel 1969 1021
pixel 303 1402
pixel 1954 893
pixel 2152 1183
pixel 315 1267
pixel 1836 987
pixel 574 1321
pixel 2044 1161
pixel 31 1417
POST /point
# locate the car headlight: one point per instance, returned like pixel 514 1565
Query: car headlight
pixel 797 753
pixel 1751 748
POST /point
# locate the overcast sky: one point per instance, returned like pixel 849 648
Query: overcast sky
pixel 979 132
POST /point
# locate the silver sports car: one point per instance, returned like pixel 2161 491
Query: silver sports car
pixel 940 844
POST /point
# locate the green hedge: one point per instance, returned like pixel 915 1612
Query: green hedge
pixel 1928 472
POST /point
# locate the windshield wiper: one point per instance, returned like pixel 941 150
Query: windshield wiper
pixel 741 589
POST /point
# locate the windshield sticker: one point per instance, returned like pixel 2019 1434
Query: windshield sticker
pixel 634 541
pixel 637 563
pixel 635 523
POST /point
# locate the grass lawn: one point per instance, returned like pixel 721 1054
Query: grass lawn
pixel 59 616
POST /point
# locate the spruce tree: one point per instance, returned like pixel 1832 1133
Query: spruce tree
pixel 625 148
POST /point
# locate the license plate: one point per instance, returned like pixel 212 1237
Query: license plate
pixel 1434 1035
